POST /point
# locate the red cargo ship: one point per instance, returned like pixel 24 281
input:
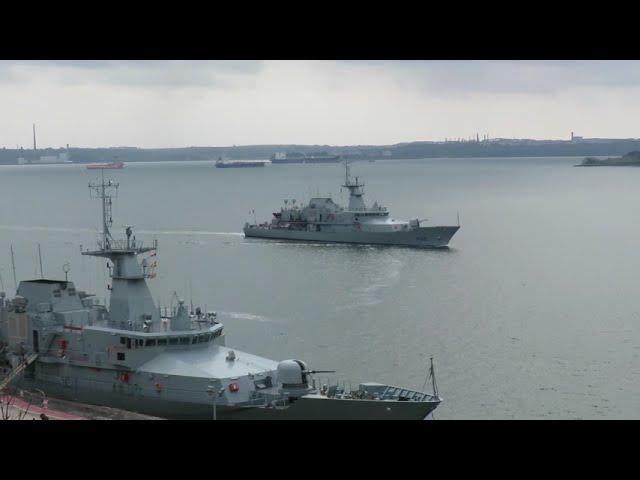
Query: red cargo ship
pixel 96 166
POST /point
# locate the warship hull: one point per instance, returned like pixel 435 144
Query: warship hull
pixel 311 407
pixel 172 363
pixel 424 237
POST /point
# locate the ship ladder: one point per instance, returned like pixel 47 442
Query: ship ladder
pixel 16 372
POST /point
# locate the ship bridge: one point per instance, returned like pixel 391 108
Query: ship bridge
pixel 130 300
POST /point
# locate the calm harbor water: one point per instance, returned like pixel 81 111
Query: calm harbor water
pixel 532 312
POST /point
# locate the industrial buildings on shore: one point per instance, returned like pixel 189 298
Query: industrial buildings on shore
pixel 34 158
pixel 478 145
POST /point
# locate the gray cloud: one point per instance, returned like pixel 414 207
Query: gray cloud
pixel 177 103
pixel 444 78
pixel 527 76
pixel 146 73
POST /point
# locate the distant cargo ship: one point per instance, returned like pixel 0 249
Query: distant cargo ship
pixel 111 165
pixel 240 163
pixel 295 157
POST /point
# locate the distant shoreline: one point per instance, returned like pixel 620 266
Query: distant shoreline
pixel 278 165
pixel 608 165
pixel 631 159
pixel 495 148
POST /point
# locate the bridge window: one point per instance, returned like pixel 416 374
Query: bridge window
pixel 173 341
pixel 151 342
pixel 184 341
pixel 120 355
pixel 162 342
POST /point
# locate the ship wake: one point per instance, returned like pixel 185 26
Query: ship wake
pixel 35 228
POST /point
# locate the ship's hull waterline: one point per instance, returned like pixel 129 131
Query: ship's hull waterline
pixel 423 237
pixel 314 407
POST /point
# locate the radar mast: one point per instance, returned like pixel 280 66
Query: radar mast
pixel 105 191
pixel 131 305
pixel 356 190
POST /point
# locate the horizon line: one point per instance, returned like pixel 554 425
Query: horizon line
pixel 446 140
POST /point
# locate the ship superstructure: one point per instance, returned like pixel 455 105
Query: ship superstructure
pixel 324 220
pixel 170 363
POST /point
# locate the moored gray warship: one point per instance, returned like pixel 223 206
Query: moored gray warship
pixel 171 364
pixel 323 220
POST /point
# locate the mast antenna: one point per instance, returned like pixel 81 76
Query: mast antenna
pixel 105 191
pixel 346 171
pixel 40 257
pixel 13 265
pixel 432 374
pixel 65 268
pixel 191 297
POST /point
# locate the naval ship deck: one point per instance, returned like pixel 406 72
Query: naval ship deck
pixel 213 362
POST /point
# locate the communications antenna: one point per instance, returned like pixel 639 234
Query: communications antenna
pixel 105 191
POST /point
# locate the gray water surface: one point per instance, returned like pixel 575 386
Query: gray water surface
pixel 531 313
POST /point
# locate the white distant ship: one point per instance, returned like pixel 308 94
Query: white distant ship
pixel 35 159
pixel 240 163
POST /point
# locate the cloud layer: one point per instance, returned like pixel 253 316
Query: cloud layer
pixel 147 73
pixel 180 103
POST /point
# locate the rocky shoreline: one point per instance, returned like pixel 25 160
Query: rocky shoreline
pixel 631 159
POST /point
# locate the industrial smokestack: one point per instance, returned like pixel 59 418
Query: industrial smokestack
pixel 34 137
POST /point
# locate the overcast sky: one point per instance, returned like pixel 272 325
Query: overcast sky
pixel 220 103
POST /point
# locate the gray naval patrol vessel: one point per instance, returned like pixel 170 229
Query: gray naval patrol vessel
pixel 171 364
pixel 322 220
